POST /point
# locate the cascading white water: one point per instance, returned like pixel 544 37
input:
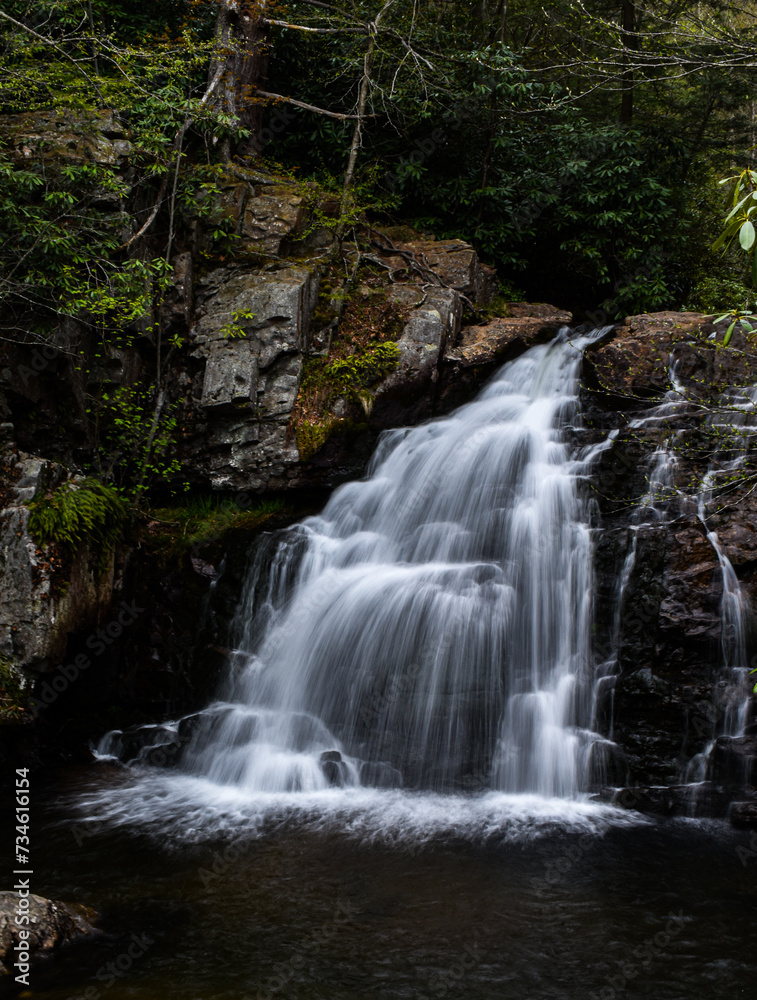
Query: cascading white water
pixel 431 627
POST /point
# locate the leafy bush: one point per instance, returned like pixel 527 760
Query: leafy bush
pixel 714 293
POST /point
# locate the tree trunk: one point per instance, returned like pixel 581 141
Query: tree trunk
pixel 240 67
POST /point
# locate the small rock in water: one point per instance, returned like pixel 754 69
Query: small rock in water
pixel 333 767
pixel 51 925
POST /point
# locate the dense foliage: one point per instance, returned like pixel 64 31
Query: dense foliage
pixel 509 124
pixel 578 146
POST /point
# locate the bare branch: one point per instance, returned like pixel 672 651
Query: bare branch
pixel 316 31
pixel 302 104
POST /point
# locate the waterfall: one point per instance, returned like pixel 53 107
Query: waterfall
pixel 431 628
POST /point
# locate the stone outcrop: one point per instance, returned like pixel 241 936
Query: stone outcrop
pixel 676 689
pixel 252 333
pixel 252 330
pixel 65 136
pixel 37 613
pixel 482 347
pixel 245 312
pixel 51 925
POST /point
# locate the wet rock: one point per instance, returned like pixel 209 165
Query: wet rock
pixel 703 800
pixel 743 815
pixel 378 774
pixel 333 767
pixel 481 348
pixel 51 926
pixel 632 366
pixel 733 761
pixel 505 337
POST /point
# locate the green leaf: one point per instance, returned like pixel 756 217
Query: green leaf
pixel 735 209
pixel 729 334
pixel 747 235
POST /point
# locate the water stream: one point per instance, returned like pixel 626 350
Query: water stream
pixel 431 628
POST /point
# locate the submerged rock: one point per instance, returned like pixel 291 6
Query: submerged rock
pixel 51 925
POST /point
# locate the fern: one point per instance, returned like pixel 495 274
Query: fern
pixel 86 512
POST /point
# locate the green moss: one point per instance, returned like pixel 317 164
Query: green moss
pixel 324 309
pixel 499 306
pixel 312 435
pixel 78 513
pixel 204 519
pixel 325 380
pixel 357 371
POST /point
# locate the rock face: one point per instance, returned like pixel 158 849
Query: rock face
pixel 252 330
pixel 37 614
pixel 664 552
pixel 242 319
pixel 252 333
pixel 51 925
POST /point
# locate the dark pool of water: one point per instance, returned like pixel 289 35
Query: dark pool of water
pixel 391 897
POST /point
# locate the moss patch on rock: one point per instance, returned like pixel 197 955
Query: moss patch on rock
pixel 335 391
pixel 202 520
pixel 79 513
pixel 326 380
